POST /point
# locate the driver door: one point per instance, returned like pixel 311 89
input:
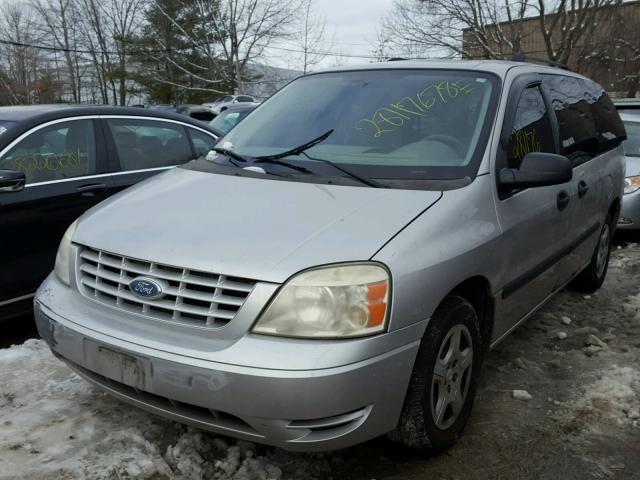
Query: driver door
pixel 535 221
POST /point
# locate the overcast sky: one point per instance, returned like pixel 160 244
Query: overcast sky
pixel 355 23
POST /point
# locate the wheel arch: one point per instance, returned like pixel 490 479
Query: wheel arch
pixel 477 291
pixel 614 210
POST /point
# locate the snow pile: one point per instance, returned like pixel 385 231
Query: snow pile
pixel 632 306
pixel 615 396
pixel 54 425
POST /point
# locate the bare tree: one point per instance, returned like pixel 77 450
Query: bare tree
pixel 108 29
pixel 231 34
pixel 490 28
pixel 20 63
pixel 311 39
pixel 60 21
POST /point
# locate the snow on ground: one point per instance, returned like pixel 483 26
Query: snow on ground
pixel 55 425
pixel 614 396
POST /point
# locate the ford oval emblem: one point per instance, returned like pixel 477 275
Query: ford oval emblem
pixel 146 288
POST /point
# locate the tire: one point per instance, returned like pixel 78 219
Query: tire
pixel 592 277
pixel 419 425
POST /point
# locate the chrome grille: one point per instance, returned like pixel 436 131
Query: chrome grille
pixel 190 296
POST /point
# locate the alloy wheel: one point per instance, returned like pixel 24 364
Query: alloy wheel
pixel 451 376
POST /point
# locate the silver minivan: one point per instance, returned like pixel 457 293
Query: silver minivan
pixel 339 265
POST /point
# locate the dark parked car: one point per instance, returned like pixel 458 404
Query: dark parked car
pixel 231 117
pixel 57 161
pixel 197 112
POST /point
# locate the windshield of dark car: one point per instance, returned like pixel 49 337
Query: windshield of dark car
pixel 408 124
pixel 632 143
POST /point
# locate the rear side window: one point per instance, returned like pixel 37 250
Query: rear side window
pixel 202 142
pixel 531 130
pixel 244 98
pixel 59 151
pixel 608 125
pixel 143 144
pixel 587 120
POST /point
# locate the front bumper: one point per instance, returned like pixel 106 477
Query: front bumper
pixel 630 212
pixel 303 410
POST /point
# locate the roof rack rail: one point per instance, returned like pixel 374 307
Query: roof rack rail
pixel 521 57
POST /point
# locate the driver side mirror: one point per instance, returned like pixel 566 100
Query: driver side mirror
pixel 537 169
pixel 11 181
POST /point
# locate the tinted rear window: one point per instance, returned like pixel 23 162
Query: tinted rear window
pixel 587 119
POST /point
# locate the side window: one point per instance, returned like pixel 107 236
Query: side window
pixel 572 106
pixel 609 128
pixel 62 150
pixel 143 144
pixel 244 98
pixel 531 130
pixel 202 142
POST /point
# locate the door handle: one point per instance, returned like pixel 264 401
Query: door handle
pixel 583 188
pixel 91 189
pixel 562 200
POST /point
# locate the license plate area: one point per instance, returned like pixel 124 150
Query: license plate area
pixel 117 365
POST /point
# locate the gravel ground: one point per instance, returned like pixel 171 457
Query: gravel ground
pixel 575 413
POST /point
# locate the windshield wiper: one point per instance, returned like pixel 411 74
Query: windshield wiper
pixel 366 181
pixel 284 164
pixel 230 154
pixel 297 150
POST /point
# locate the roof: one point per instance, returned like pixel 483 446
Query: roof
pixel 33 114
pixel 499 67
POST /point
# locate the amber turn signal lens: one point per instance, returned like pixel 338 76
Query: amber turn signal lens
pixel 377 303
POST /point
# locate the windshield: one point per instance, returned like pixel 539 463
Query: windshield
pixel 632 143
pixel 227 120
pixel 396 124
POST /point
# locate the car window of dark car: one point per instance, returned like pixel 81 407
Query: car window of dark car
pixel 531 131
pixel 202 142
pixel 202 115
pixel 143 144
pixel 59 151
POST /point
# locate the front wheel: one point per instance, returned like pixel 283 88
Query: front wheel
pixel 592 277
pixel 444 379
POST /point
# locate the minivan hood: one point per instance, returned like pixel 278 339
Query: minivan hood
pixel 248 227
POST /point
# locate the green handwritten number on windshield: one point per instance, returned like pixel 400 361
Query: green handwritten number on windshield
pixel 388 119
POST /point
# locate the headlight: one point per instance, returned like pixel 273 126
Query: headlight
pixel 62 257
pixel 631 184
pixel 330 302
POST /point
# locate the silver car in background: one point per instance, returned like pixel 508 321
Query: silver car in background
pixel 630 214
pixel 337 268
